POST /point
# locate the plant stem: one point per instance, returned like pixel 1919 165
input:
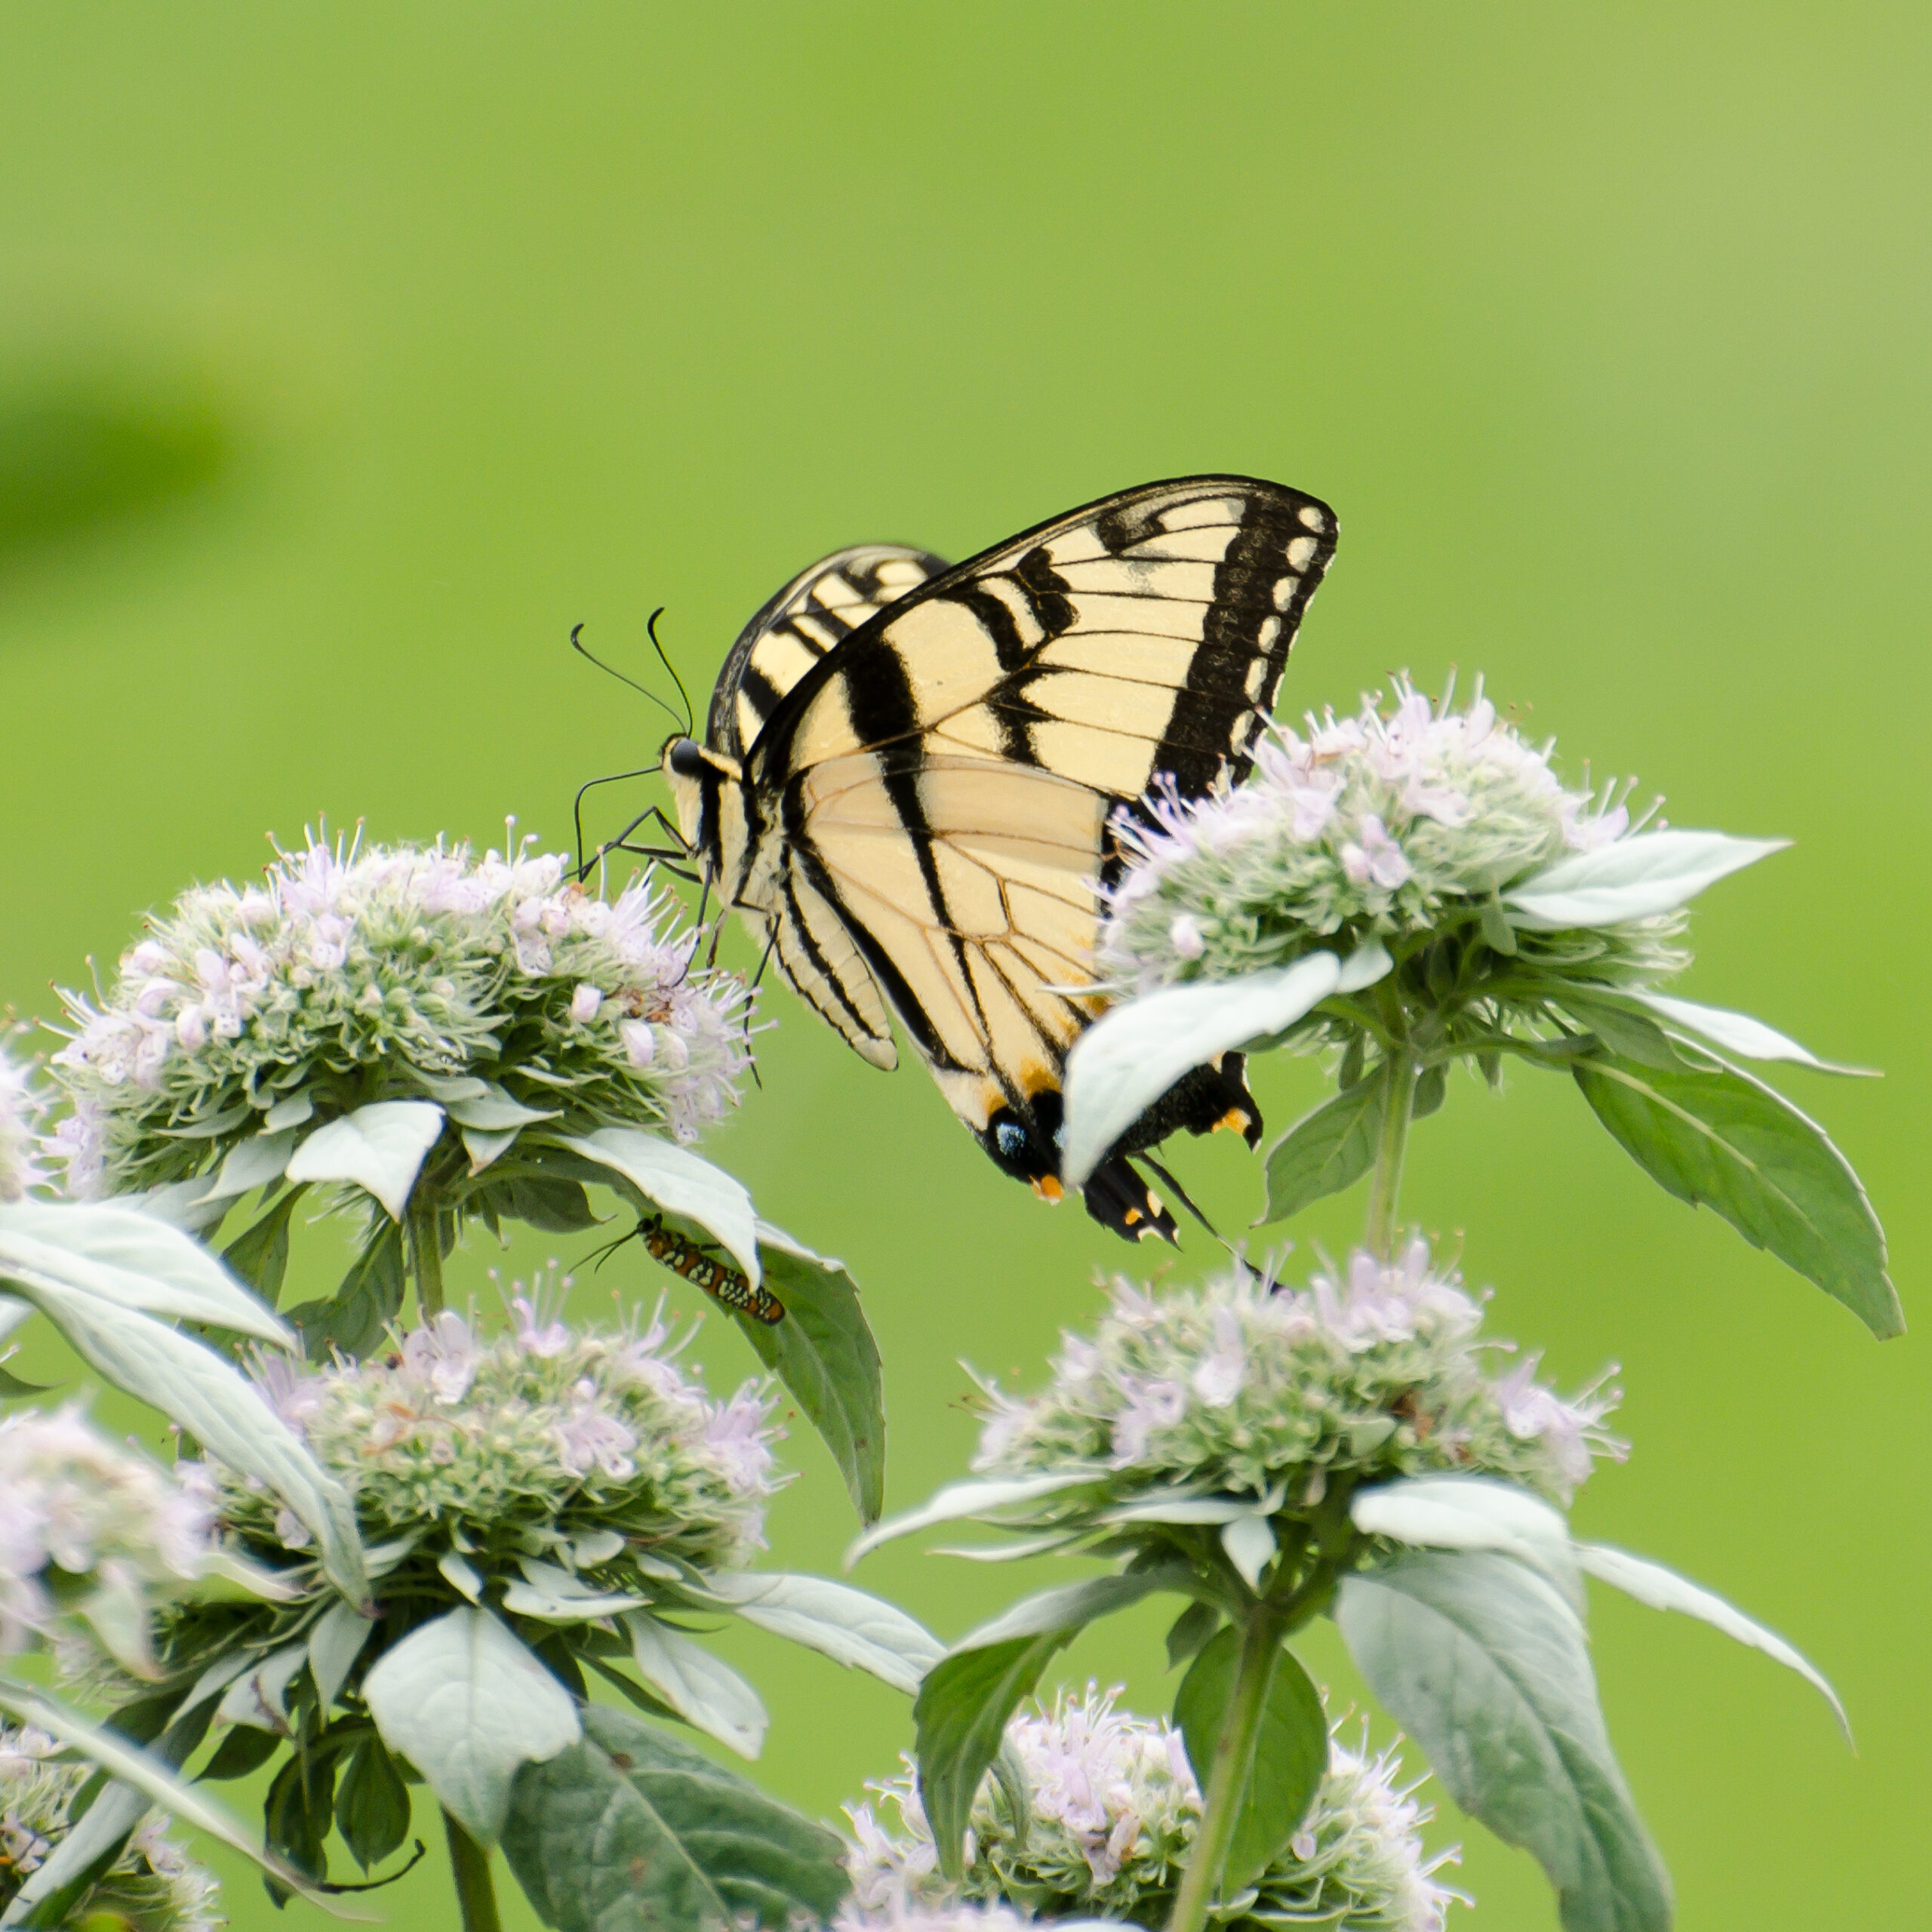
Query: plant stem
pixel 426 1257
pixel 1399 1074
pixel 476 1892
pixel 1233 1763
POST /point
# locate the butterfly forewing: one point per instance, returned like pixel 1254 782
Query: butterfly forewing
pixel 817 610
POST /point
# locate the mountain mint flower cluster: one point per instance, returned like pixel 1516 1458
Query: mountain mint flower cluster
pixel 355 974
pixel 153 1886
pixel 1386 825
pixel 544 1439
pixel 91 1535
pixel 1113 1810
pixel 1242 1386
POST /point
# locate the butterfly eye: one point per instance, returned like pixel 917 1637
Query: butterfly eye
pixel 684 758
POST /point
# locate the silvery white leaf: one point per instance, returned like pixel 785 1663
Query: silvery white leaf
pixel 1007 1552
pixel 382 1557
pixel 771 1237
pixel 254 1580
pixel 599 1546
pixel 1370 961
pixel 141 1781
pixel 460 1576
pixel 848 1626
pixel 552 1604
pixel 1633 878
pixel 1472 1512
pixel 251 1163
pixel 336 1639
pixel 1134 1052
pixel 380 1147
pixel 484 1148
pixel 448 1086
pixel 123 1257
pixel 1249 1541
pixel 960 1499
pixel 467 1704
pixel 258 1697
pixel 191 1384
pixel 1664 1590
pixel 705 1693
pixel 296 1111
pixel 1739 1033
pixel 218 1675
pixel 494 1109
pixel 678 1180
pixel 12 1314
pixel 182 1205
pixel 1210 1510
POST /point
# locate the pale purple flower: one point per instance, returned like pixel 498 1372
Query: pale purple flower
pixel 1151 1406
pixel 1185 936
pixel 589 1437
pixel 1218 1380
pixel 735 1435
pixel 1373 858
pixel 442 1355
pixel 1571 1431
pixel 584 1003
pixel 640 1042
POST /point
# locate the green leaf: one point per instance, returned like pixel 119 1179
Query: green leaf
pixel 495 1110
pixel 245 1749
pixel 631 1829
pixel 1129 1057
pixel 978 1498
pixel 380 1147
pixel 963 1706
pixel 1723 1140
pixel 1188 1635
pixel 824 1353
pixel 372 1803
pixel 1739 1033
pixel 260 1255
pixel 355 1320
pixel 1325 1151
pixel 466 1704
pixel 1431 1089
pixel 1473 1512
pixel 1486 1666
pixel 1290 1751
pixel 1632 1035
pixel 543 1201
pixel 296 1814
pixel 12 1387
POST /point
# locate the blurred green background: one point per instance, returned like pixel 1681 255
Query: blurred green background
pixel 349 355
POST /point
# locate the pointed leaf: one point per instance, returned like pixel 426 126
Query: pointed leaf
pixel 354 1320
pixel 633 1828
pixel 707 1694
pixel 1134 1052
pixel 1633 878
pixel 143 1780
pixel 1324 1151
pixel 258 1697
pixel 1484 1665
pixel 1249 1540
pixel 824 1353
pixel 676 1179
pixel 259 1255
pixel 1290 1751
pixel 372 1803
pixel 188 1381
pixel 380 1147
pixel 123 1258
pixel 252 1163
pixel 1739 1033
pixel 495 1110
pixel 848 1626
pixel 1723 1140
pixel 336 1639
pixel 466 1704
pixel 483 1148
pixel 964 1704
pixel 1664 1590
pixel 959 1500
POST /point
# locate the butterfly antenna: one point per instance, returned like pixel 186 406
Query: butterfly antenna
pixel 650 631
pixel 1180 1194
pixel 583 650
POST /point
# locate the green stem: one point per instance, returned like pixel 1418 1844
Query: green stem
pixel 1400 1071
pixel 426 1258
pixel 1227 1776
pixel 475 1894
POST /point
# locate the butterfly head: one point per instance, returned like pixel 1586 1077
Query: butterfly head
pixel 692 770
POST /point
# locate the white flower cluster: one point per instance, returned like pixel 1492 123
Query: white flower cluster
pixel 1376 825
pixel 153 1886
pixel 349 971
pixel 1113 1809
pixel 88 1529
pixel 565 1432
pixel 1243 1386
pixel 21 1104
